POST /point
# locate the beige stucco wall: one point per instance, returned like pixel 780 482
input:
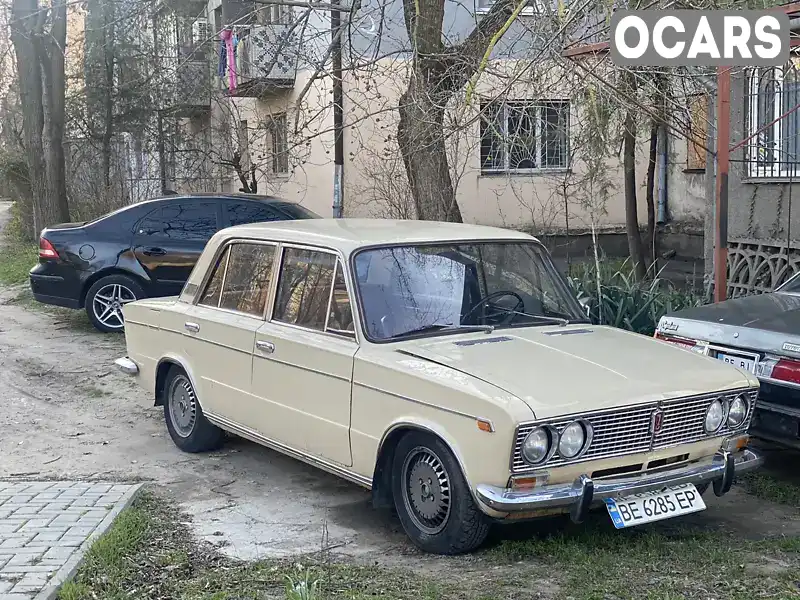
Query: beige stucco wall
pixel 374 175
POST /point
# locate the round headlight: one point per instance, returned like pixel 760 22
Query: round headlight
pixel 714 416
pixel 737 412
pixel 572 440
pixel 536 446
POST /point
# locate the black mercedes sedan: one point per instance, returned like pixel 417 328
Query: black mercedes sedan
pixel 143 250
pixel 760 334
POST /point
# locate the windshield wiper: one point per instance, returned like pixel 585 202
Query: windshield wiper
pixel 444 327
pixel 558 320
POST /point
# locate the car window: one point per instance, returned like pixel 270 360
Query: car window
pixel 305 287
pixel 188 221
pixel 340 316
pixel 247 278
pixel 241 213
pixel 213 290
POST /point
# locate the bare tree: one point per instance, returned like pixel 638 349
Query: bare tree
pixel 39 37
pixel 438 72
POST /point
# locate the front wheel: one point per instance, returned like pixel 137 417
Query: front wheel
pixel 432 498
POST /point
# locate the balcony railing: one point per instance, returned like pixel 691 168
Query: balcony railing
pixel 191 86
pixel 266 59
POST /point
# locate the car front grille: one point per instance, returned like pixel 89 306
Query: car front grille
pixel 622 431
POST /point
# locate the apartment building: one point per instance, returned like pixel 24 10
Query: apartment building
pixel 250 99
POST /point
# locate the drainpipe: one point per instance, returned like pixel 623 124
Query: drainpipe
pixel 662 174
pixel 338 109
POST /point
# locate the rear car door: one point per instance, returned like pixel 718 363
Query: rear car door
pixel 168 241
pixel 219 331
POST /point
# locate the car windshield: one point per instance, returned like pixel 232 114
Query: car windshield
pixel 414 290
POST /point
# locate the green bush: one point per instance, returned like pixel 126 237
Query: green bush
pixel 625 302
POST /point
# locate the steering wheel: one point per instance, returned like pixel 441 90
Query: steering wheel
pixel 489 298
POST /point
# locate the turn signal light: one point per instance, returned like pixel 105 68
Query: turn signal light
pixel 46 249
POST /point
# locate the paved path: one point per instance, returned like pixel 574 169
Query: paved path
pixel 46 527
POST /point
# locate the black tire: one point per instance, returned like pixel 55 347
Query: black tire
pixel 99 299
pixel 201 435
pixel 464 527
pixel 702 488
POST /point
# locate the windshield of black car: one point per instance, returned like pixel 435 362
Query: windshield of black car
pixel 407 289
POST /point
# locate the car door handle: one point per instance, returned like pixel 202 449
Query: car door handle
pixel 154 252
pixel 193 327
pixel 265 346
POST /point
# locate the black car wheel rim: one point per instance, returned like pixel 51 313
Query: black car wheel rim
pixel 426 490
pixel 182 406
pixel 108 302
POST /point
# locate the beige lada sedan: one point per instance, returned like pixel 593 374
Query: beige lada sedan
pixel 448 368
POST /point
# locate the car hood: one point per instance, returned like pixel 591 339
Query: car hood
pixel 562 370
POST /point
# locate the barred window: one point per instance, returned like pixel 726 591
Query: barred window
pixel 524 135
pixel 771 93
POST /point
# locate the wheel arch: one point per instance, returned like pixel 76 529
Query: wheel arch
pixel 381 478
pixel 162 369
pixel 95 277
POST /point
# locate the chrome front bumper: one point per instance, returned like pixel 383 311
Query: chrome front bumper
pixel 579 495
pixel 126 365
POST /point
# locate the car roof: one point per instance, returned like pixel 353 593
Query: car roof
pixel 348 235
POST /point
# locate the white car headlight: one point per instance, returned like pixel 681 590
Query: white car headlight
pixel 737 412
pixel 536 446
pixel 572 440
pixel 714 416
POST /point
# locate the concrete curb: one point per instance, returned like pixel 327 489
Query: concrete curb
pixel 65 573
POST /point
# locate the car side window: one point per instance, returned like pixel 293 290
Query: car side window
pixel 213 291
pixel 248 277
pixel 185 221
pixel 304 289
pixel 244 212
pixel 340 316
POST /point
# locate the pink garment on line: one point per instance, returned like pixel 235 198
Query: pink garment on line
pixel 227 36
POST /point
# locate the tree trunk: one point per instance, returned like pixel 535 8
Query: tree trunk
pixel 40 63
pixel 27 21
pixel 651 205
pixel 631 211
pixel 421 128
pixel 438 72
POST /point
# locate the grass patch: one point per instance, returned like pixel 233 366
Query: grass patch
pixel 597 562
pixel 16 260
pixel 763 484
pixel 150 554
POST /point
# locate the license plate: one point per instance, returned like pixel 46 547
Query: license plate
pixel 746 364
pixel 654 506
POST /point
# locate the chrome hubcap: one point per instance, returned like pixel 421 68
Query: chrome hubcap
pixel 182 406
pixel 426 490
pixel 108 302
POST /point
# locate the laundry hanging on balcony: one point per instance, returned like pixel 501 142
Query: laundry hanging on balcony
pixel 227 57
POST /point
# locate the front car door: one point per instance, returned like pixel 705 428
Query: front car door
pixel 303 365
pixel 220 329
pixel 168 241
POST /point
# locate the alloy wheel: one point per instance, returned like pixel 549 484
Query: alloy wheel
pixel 108 302
pixel 426 490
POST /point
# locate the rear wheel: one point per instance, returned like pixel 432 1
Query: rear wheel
pixel 432 498
pixel 105 299
pixel 186 423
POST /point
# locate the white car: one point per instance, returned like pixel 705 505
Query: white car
pixel 447 367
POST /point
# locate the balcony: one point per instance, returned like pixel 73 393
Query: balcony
pixel 266 60
pixel 191 93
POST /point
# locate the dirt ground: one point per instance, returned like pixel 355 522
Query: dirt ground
pixel 66 412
